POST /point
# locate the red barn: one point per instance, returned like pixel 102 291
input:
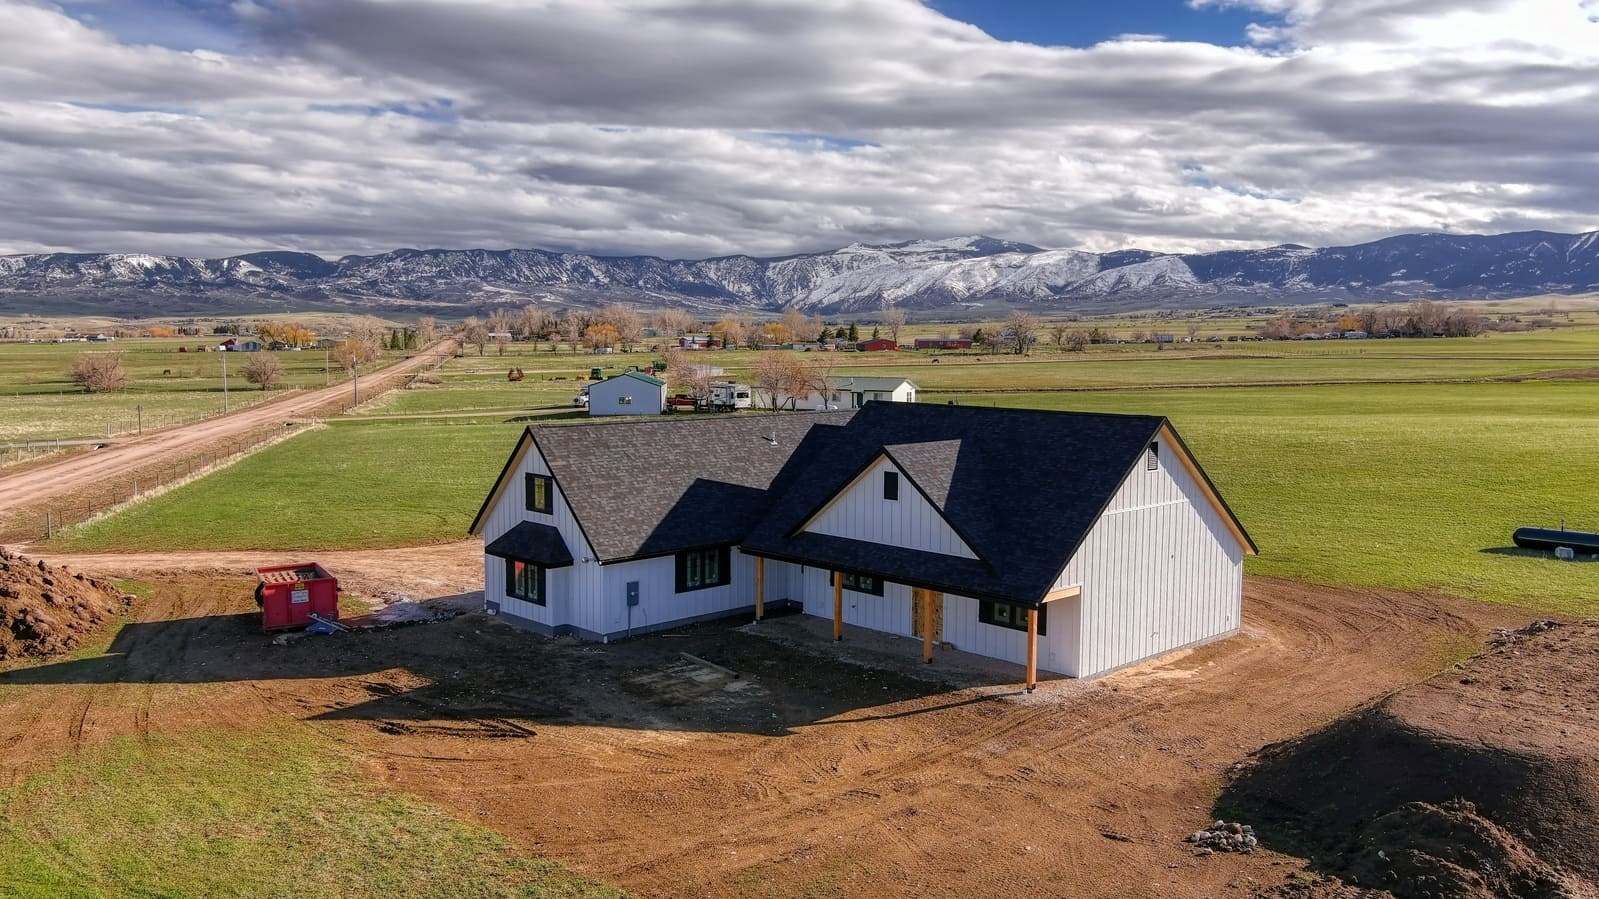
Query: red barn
pixel 876 345
pixel 943 343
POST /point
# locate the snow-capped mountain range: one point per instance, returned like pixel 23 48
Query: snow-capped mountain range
pixel 920 274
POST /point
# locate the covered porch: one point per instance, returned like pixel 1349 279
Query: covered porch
pixel 926 615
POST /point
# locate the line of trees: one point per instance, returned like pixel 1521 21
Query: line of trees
pixel 1423 318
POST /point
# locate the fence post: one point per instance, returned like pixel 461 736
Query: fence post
pixel 47 524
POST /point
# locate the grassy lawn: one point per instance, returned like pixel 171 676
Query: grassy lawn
pixel 276 813
pixel 351 484
pixel 38 401
pixel 1412 486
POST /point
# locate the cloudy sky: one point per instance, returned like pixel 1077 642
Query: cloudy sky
pixel 704 127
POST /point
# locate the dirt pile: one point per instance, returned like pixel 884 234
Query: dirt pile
pixel 1480 782
pixel 45 609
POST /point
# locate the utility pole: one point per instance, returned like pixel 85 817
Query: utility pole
pixel 355 378
pixel 327 366
pixel 139 411
pixel 224 382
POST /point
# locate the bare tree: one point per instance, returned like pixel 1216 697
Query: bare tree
pixel 352 352
pixel 1077 340
pixel 1022 329
pixel 99 372
pixel 263 370
pixel 475 332
pixel 893 320
pixel 1057 334
pixel 1193 331
pixel 815 373
pixel 734 330
pixel 777 375
pixel 572 326
pixel 688 375
pixel 629 325
pixel 427 330
pixel 672 322
pixel 533 322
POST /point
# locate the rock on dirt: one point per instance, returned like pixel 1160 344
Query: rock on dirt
pixel 47 609
pixel 1223 836
pixel 1482 781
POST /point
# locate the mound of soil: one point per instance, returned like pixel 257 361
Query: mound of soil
pixel 1480 782
pixel 45 609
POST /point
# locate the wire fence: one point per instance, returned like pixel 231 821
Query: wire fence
pixel 110 494
pixel 50 517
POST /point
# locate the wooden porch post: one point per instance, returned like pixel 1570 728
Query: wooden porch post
pixel 838 605
pixel 927 624
pixel 760 586
pixel 1032 649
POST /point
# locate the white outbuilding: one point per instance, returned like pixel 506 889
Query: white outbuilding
pixel 1075 543
pixel 629 393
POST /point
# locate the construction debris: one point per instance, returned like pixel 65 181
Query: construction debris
pixel 47 609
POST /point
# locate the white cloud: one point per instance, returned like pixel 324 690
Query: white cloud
pixel 698 127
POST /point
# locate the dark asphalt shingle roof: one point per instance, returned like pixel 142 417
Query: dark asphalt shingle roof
pixel 532 542
pixel 1021 487
pixel 654 487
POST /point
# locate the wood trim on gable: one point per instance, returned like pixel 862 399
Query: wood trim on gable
pixel 1186 457
pixel 501 482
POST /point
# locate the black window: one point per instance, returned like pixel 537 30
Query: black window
pixel 1152 458
pixel 1009 614
pixel 538 493
pixel 524 581
pixel 890 485
pixel 698 569
pixel 862 583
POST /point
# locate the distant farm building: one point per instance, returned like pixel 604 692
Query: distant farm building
pixel 943 343
pixel 844 393
pixel 629 393
pixel 876 345
pixel 694 342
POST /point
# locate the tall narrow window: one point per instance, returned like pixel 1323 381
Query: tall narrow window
pixel 1152 457
pixel 538 493
pixel 524 581
pixel 890 485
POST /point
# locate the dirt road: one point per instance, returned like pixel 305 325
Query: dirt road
pixel 804 776
pixel 24 488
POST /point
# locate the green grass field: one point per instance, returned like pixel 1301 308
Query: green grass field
pixel 38 401
pixel 1385 480
pixel 351 484
pixel 230 813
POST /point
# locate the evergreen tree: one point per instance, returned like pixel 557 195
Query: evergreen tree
pixel 875 334
pixel 854 332
pixel 825 335
pixel 977 337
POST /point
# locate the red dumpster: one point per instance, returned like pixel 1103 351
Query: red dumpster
pixel 289 594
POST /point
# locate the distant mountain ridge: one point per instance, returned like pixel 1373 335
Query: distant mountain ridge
pixel 916 274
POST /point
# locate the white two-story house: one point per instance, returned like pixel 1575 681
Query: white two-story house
pixel 1075 543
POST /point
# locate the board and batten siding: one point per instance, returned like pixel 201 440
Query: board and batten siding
pixel 861 513
pixel 659 601
pixel 574 592
pixel 1159 571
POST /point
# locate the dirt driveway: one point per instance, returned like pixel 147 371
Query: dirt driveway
pixel 803 777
